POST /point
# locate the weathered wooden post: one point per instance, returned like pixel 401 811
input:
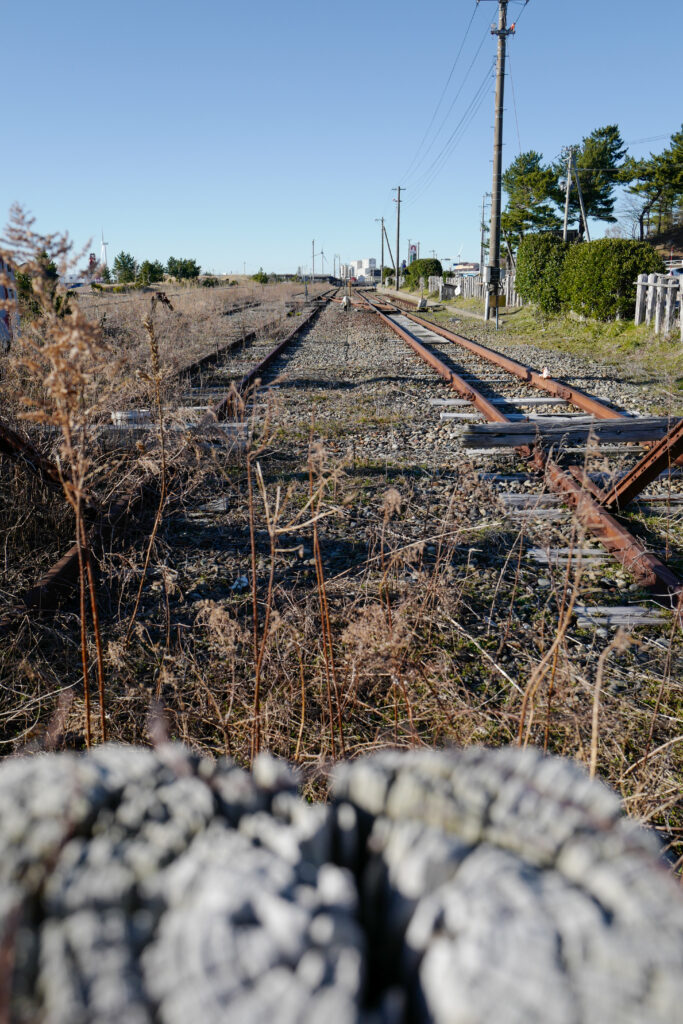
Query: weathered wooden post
pixel 641 296
pixel 651 291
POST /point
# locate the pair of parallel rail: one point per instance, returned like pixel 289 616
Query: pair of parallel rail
pixel 594 508
pixel 57 582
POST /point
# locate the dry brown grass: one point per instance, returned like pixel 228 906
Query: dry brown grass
pixel 428 630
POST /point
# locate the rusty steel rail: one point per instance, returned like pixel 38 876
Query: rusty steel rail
pixel 252 335
pixel 213 357
pixel 61 577
pixel 18 449
pixel 226 407
pixel 617 540
pixel 526 374
pixel 456 383
pixel 15 447
pixel 661 456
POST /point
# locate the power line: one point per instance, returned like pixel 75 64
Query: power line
pixel 445 88
pixel 440 162
pixel 514 103
pixel 426 152
pixel 428 176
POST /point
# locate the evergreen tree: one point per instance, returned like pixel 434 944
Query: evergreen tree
pixel 530 189
pixel 600 163
pixel 150 272
pixel 656 180
pixel 125 268
pixel 182 269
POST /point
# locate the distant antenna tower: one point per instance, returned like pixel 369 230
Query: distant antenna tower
pixel 103 251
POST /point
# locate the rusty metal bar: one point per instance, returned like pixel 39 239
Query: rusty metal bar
pixel 661 456
pixel 15 447
pixel 63 575
pixel 649 570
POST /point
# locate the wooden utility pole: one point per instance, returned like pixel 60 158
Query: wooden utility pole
pixel 399 189
pixel 493 269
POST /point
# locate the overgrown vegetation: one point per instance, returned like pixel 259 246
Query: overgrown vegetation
pixel 422 268
pixel 537 191
pixel 595 279
pixel 346 595
pixel 540 261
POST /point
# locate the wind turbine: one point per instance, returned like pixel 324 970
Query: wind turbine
pixel 103 251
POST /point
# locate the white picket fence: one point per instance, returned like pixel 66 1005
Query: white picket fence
pixel 467 287
pixel 656 298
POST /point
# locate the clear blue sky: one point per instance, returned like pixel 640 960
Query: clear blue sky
pixel 239 132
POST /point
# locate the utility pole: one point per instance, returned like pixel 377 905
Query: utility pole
pixel 380 220
pixel 578 189
pixel 493 268
pixel 399 189
pixel 313 264
pixel 391 255
pixel 567 190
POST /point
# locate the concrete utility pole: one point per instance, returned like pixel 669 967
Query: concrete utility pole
pixel 567 190
pixel 313 263
pixel 391 255
pixel 578 189
pixel 493 268
pixel 399 189
pixel 380 220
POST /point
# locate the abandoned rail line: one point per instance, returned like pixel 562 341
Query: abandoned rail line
pixel 378 494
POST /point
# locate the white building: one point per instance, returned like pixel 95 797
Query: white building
pixel 360 269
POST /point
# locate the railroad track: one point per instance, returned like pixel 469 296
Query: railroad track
pixel 219 394
pixel 550 423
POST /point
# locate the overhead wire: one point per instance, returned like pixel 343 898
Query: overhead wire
pixel 443 91
pixel 514 103
pixel 425 152
pixel 429 176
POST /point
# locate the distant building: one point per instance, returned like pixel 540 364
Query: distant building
pixel 465 268
pixel 360 269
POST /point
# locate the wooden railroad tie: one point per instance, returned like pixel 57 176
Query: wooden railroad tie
pixel 553 431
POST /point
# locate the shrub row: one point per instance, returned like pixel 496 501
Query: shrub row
pixel 596 279
pixel 422 268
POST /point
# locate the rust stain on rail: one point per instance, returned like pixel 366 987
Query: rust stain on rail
pixel 649 570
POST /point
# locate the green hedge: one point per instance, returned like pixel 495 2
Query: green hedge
pixel 596 279
pixel 599 278
pixel 422 268
pixel 540 260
